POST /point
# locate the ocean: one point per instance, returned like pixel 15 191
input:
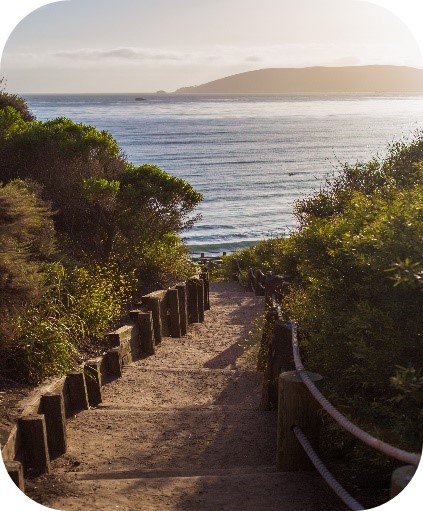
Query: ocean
pixel 252 156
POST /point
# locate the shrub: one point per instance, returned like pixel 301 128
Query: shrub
pixel 356 293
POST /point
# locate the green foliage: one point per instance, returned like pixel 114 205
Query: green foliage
pixel 66 159
pixel 76 304
pixel 116 228
pixel 99 295
pixel 162 263
pixel 16 102
pixel 26 239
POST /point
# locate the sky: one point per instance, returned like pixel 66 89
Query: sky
pixel 150 45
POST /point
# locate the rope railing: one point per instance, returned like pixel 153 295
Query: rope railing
pixel 284 369
pixel 324 472
pixel 389 450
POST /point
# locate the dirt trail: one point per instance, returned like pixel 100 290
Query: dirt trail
pixel 182 430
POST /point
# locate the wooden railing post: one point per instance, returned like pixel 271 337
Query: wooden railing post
pixel 296 407
pixel 280 359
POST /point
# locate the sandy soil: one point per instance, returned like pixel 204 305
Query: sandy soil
pixel 182 430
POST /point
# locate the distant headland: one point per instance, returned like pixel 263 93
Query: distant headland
pixel 351 79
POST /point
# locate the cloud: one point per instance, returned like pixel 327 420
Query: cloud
pixel 94 54
pixel 222 59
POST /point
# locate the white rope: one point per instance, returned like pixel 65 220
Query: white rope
pixel 324 472
pixel 405 456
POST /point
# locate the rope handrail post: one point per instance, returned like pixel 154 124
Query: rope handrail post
pixel 279 360
pixel 296 407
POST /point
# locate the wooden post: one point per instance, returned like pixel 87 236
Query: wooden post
pixel 114 362
pixel 34 436
pixel 77 390
pixel 175 322
pixel 92 373
pixel 200 297
pixel 152 304
pixel 53 408
pixel 235 269
pixel 15 471
pixel 281 358
pixel 400 478
pixel 206 289
pixel 193 316
pixel 145 321
pixel 297 407
pixel 183 311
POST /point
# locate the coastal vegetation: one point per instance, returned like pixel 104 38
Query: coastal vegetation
pixel 355 269
pixel 84 233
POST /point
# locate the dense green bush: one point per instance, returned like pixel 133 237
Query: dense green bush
pixel 26 240
pixel 355 263
pixel 82 232
pixel 75 305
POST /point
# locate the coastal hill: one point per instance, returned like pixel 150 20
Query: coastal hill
pixel 355 79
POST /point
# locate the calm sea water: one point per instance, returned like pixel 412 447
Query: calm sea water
pixel 251 156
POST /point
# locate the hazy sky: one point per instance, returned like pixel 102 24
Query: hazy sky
pixel 146 45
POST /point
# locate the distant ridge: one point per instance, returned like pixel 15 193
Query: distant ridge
pixel 316 79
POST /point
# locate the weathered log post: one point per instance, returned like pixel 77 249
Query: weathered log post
pixel 206 288
pixel 280 359
pixel 200 298
pixel 34 436
pixel 92 371
pixel 175 322
pixel 152 303
pixel 114 362
pixel 53 409
pixel 400 478
pixel 77 390
pixel 193 315
pixel 183 310
pixel 145 321
pixel 296 407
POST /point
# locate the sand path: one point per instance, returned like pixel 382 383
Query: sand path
pixel 182 430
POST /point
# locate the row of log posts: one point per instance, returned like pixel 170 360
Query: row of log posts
pixel 43 434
